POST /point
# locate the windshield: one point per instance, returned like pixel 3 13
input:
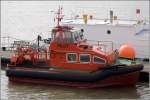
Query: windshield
pixel 68 36
pixel 78 35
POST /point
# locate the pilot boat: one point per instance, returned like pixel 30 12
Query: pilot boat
pixel 73 61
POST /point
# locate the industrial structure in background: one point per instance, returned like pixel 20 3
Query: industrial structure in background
pixel 119 31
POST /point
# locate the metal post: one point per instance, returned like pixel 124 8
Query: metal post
pixel 98 43
pixel 112 46
pixel 38 39
pixel 111 16
pixel 8 41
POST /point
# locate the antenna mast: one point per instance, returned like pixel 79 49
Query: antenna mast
pixel 59 16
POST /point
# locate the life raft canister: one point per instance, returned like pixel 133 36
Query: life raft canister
pixel 127 51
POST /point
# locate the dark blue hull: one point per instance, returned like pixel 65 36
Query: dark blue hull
pixel 72 76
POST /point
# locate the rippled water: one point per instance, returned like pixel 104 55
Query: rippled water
pixel 16 91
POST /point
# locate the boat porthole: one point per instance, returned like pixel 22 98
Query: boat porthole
pixel 108 32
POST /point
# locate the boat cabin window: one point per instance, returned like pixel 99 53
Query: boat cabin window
pixel 84 58
pixel 99 60
pixel 78 36
pixel 68 37
pixel 57 37
pixel 71 57
pixel 72 36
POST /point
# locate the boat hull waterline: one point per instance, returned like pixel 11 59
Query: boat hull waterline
pixel 116 75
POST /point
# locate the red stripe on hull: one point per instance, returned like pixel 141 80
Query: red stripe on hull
pixel 125 80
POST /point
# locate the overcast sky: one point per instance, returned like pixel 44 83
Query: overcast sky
pixel 26 19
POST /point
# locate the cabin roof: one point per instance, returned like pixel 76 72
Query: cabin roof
pixel 66 28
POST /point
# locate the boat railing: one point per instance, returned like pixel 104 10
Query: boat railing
pixel 105 45
pixel 10 43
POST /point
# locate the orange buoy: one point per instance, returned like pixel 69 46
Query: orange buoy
pixel 127 51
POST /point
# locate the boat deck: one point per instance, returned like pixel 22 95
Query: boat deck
pixel 8 54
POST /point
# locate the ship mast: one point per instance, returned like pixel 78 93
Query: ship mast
pixel 59 16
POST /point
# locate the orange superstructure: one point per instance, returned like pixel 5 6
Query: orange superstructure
pixel 69 49
pixel 69 42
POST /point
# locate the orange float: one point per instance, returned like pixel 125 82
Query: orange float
pixel 127 51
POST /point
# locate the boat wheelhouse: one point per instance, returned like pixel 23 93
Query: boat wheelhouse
pixel 71 50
